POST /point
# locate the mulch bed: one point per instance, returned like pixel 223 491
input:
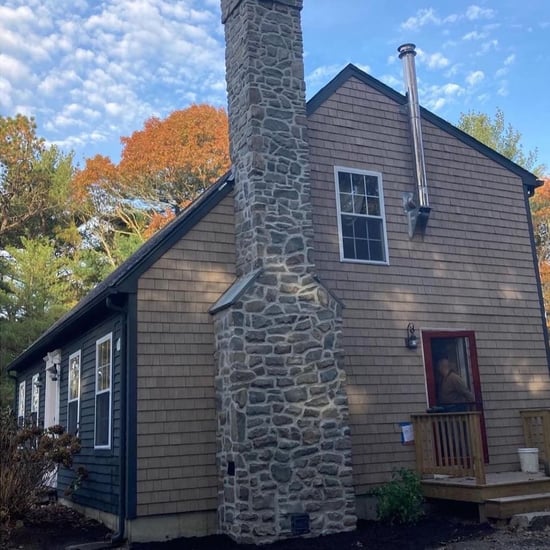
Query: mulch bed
pixel 53 527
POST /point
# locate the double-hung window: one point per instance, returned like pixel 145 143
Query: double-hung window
pixel 73 405
pixel 361 219
pixel 35 398
pixel 21 404
pixel 103 387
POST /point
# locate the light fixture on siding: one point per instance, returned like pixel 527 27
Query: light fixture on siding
pixel 411 341
pixel 53 372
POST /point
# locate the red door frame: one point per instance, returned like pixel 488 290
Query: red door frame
pixel 469 335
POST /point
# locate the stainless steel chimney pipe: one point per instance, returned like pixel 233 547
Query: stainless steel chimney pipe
pixel 407 53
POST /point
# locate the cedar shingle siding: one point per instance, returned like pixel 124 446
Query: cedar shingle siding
pixel 473 270
pixel 176 446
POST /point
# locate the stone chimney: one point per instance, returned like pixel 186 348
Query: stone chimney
pixel 284 446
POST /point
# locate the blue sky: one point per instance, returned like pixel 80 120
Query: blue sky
pixel 91 71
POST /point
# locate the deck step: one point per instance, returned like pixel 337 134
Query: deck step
pixel 506 507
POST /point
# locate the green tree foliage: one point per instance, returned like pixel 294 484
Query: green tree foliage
pixel 37 288
pixel 34 182
pixel 502 137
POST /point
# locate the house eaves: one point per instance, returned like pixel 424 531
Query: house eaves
pixel 124 278
pixel 528 179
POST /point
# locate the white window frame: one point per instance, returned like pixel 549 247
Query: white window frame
pixel 109 338
pixel 35 395
pixel 21 402
pixel 382 216
pixel 76 354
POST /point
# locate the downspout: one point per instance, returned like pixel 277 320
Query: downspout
pixel 417 204
pixel 118 537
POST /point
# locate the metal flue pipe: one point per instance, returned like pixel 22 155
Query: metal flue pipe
pixel 407 53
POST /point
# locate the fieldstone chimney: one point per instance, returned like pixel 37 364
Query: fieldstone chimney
pixel 284 446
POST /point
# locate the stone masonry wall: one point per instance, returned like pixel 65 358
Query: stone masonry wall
pixel 284 446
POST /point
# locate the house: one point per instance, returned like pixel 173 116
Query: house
pixel 251 370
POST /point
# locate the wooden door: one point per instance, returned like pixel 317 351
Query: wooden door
pixel 459 347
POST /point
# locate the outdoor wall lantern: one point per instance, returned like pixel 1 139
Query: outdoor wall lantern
pixel 54 373
pixel 411 341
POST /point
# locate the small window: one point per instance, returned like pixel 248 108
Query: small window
pixel 73 405
pixel 361 220
pixel 103 384
pixel 21 404
pixel 35 398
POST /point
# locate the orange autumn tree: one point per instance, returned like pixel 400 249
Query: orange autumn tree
pixel 163 167
pixel 540 210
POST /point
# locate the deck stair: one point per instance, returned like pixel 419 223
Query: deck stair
pixel 500 497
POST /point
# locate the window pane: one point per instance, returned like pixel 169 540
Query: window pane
pixel 360 228
pixel 362 247
pixel 344 182
pixel 346 202
pixel 375 229
pixel 374 206
pixel 372 185
pixel 376 251
pixel 349 248
pixel 361 222
pixel 21 411
pixel 74 378
pixel 358 184
pixel 359 204
pixel 72 420
pixel 347 226
pixel 104 366
pixel 102 419
pixel 103 378
pixel 35 394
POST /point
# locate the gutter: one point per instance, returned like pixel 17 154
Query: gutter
pixel 118 537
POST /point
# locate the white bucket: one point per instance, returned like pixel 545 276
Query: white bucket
pixel 529 460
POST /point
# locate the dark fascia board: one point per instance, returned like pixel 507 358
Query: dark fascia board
pixel 124 278
pixel 529 180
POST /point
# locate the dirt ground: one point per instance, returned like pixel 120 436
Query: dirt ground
pixel 54 527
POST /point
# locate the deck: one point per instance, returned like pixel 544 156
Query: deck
pixel 450 460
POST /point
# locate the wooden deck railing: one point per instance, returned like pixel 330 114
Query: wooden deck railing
pixel 449 444
pixel 536 430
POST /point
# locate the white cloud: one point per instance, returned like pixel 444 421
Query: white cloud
pixel 13 69
pixel 475 77
pixel 475 12
pixel 474 35
pixel 320 76
pixel 501 72
pixel 94 71
pixel 392 81
pixel 510 59
pixel 435 97
pixel 422 17
pixel 503 90
pixel 488 46
pixel 437 61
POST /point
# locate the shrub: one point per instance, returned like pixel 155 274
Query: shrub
pixel 28 457
pixel 400 500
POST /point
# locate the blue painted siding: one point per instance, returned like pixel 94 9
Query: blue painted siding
pixel 101 488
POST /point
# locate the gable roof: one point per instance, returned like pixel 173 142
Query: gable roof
pixel 123 279
pixel 351 71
